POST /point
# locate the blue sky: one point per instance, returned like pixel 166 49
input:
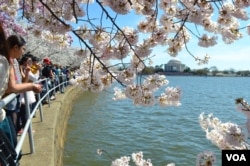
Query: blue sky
pixel 223 56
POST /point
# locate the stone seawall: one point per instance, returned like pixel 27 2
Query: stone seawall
pixel 49 135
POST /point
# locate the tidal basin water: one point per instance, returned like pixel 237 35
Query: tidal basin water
pixel 164 135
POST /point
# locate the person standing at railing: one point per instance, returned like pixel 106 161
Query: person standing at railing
pixel 65 71
pixel 47 72
pixel 25 68
pixel 59 75
pixel 13 48
pixel 35 68
pixel 56 78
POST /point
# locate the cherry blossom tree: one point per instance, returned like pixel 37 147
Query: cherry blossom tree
pixel 169 23
pixel 95 25
pixel 62 56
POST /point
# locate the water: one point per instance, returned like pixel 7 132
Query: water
pixel 164 135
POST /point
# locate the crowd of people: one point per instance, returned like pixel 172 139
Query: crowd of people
pixel 25 71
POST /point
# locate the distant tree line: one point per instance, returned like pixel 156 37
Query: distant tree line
pixel 212 71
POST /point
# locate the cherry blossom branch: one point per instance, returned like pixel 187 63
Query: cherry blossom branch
pixel 92 53
pixel 245 105
pixel 106 12
pixel 74 11
pixel 89 48
pixel 53 14
pixel 89 20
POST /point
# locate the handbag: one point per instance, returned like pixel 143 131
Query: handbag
pixel 31 97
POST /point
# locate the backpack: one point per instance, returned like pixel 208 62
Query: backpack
pixel 8 154
pixel 46 71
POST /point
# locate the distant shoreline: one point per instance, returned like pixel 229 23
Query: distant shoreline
pixel 191 74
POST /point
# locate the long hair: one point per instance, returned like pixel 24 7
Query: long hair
pixel 2 41
pixel 7 44
pixel 14 40
pixel 23 60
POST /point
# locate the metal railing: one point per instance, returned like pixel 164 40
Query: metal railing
pixel 28 126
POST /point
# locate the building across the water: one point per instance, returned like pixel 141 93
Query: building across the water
pixel 174 65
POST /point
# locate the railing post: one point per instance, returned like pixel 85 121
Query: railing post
pixel 54 85
pixel 63 87
pixel 47 89
pixel 60 79
pixel 28 125
pixel 40 106
pixel 27 109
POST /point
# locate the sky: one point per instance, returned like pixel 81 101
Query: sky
pixel 223 56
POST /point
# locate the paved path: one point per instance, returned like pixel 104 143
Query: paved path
pixel 49 135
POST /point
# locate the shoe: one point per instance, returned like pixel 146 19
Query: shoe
pixel 52 98
pixel 20 132
pixel 45 102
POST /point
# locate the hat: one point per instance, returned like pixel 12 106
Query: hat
pixel 46 61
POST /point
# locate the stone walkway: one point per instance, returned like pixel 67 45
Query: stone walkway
pixel 49 135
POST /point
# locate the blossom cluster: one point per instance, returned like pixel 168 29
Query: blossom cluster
pixel 8 12
pixel 137 159
pixel 96 79
pixel 167 27
pixel 243 106
pixel 226 136
pixel 205 159
pixel 61 40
